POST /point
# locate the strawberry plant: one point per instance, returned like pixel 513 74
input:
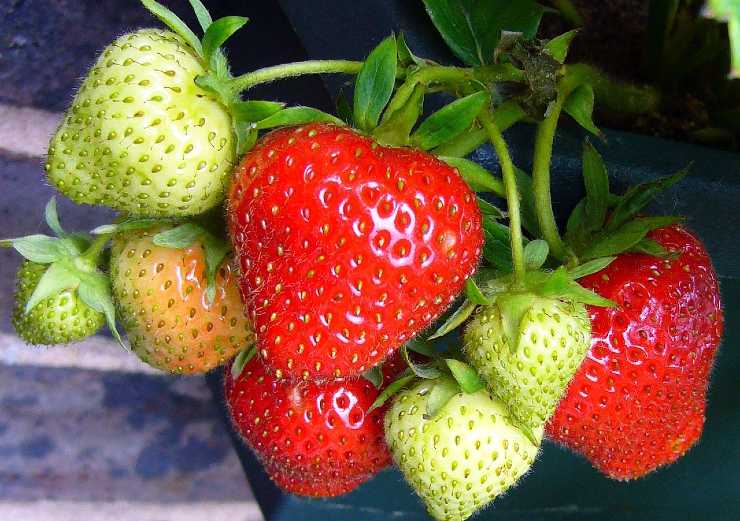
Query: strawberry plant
pixel 322 257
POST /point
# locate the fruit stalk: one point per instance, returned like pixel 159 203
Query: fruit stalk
pixel 512 194
pixel 291 70
pixel 541 175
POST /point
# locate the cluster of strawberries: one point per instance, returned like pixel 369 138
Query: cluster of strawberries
pixel 340 249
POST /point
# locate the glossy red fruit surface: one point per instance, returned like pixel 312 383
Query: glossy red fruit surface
pixel 347 248
pixel 638 400
pixel 314 439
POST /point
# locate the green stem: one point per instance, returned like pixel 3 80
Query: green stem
pixel 512 195
pixel 290 70
pixel 569 12
pixel 425 76
pixel 541 175
pixel 93 252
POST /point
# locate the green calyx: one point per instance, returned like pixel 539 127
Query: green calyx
pixel 71 263
pixel 603 225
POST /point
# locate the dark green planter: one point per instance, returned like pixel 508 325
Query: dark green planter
pixel 702 486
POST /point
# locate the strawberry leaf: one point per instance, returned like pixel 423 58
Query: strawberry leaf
pixel 472 29
pixel 535 254
pixel 477 177
pixel 497 253
pixel 590 267
pixel 374 375
pixel 38 248
pixel 474 294
pixel 421 346
pixel 560 285
pixel 489 210
pixel 513 307
pixel 241 360
pixel 626 237
pixel 459 316
pixel 651 247
pixel 216 250
pixel 58 277
pixel 344 109
pixel 217 34
pixel 449 121
pixel 95 291
pixel 596 182
pixel 52 217
pixel 638 196
pixel 558 46
pixel 202 14
pixel 580 106
pixel 393 388
pixel 297 116
pixel 174 22
pixel 405 56
pixel 253 111
pixel 427 371
pixel 179 237
pixel 396 127
pixel 442 392
pixel 374 84
pixel 466 376
pixel 128 225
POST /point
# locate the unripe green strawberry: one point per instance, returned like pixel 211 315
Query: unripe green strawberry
pixel 468 453
pixel 527 358
pixel 141 136
pixel 59 319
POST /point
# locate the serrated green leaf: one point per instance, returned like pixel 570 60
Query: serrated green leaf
pixel 561 285
pixel 51 216
pixel 449 121
pixel 38 248
pixel 174 22
pixel 627 236
pixel 490 210
pixel 472 29
pixel 202 14
pixel 393 388
pixel 442 392
pixel 395 130
pixel 497 253
pixel 460 315
pixel 215 251
pixel 478 178
pixel 427 371
pixel 580 106
pixel 590 267
pixel 241 360
pixel 466 376
pixel 297 116
pixel 474 294
pixel 179 237
pixel 558 46
pixel 374 375
pixel 128 225
pixel 253 111
pixel 220 31
pixel 95 291
pixel 596 182
pixel 638 196
pixel 58 277
pixel 535 254
pixel 246 136
pixel 405 56
pixel 374 84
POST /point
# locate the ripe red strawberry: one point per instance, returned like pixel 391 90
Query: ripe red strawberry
pixel 314 439
pixel 638 400
pixel 347 248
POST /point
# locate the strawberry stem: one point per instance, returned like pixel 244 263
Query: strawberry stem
pixel 512 194
pixel 541 176
pixel 290 70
